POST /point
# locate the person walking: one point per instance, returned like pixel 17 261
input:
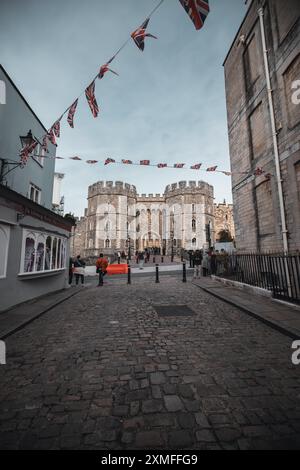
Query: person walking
pixel 79 271
pixel 141 259
pixel 101 268
pixel 197 263
pixel 70 270
pixel 205 264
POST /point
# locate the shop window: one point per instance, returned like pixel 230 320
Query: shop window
pixel 42 252
pixel 4 245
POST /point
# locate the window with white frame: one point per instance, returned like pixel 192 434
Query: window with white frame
pixel 4 245
pixel 35 193
pixel 42 252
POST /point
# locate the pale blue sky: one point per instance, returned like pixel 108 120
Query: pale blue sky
pixel 167 105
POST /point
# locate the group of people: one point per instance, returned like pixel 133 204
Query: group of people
pixel 77 268
pixel 208 261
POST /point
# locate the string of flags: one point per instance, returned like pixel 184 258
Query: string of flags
pixel 197 10
pixel 197 166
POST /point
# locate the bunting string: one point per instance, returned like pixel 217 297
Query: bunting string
pixel 183 166
pixel 197 11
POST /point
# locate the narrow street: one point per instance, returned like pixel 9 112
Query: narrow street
pixel 104 371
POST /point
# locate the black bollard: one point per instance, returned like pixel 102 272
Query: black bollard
pixel 183 272
pixel 182 258
pixel 162 259
pixel 157 274
pixel 129 275
pixel 154 259
pixel 172 258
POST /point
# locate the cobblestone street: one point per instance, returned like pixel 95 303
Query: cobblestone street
pixel 104 371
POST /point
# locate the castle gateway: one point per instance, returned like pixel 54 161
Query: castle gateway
pixel 118 219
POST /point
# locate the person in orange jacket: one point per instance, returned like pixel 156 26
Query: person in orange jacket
pixel 101 267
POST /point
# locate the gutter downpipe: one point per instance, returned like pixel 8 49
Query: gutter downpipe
pixel 275 147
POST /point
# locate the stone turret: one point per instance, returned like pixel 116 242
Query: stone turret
pixel 189 187
pixel 109 187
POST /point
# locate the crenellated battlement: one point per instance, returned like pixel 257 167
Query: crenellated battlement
pixel 150 197
pixel 109 187
pixel 183 187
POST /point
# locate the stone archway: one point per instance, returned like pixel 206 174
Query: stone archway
pixel 150 240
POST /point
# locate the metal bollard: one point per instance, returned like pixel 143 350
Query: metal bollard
pixel 183 272
pixel 172 258
pixel 157 274
pixel 153 259
pixel 162 259
pixel 182 258
pixel 129 275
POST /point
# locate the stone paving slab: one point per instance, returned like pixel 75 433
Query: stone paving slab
pixel 278 315
pixel 104 371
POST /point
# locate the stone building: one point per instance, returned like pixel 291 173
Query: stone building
pixel 118 219
pixel 224 224
pixel 259 214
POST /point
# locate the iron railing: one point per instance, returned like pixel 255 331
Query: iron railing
pixel 278 273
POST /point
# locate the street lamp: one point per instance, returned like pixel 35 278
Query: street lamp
pixel 129 252
pixel 27 140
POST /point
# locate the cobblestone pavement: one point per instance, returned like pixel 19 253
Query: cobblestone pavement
pixel 104 371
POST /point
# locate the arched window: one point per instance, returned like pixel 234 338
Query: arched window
pixel 29 254
pixel 4 244
pixel 40 254
pixel 174 242
pixel 48 253
pixel 107 226
pixel 194 241
pixel 107 243
pixel 193 207
pixel 54 253
pixel 194 225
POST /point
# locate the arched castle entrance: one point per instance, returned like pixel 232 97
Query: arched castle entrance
pixel 149 240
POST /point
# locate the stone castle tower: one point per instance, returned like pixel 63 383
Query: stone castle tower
pixel 119 219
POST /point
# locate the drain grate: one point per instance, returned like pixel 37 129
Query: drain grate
pixel 173 310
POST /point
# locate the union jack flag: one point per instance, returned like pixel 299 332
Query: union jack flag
pixel 72 110
pixel 26 151
pixel 196 167
pixel 227 173
pixel 109 160
pixel 162 165
pixel 197 11
pixel 92 162
pixel 59 158
pixel 179 165
pixel 127 162
pixel 103 69
pixel 51 136
pixel 56 128
pixel 91 99
pixel 212 168
pixel 75 158
pixel 44 143
pixel 145 162
pixel 140 34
